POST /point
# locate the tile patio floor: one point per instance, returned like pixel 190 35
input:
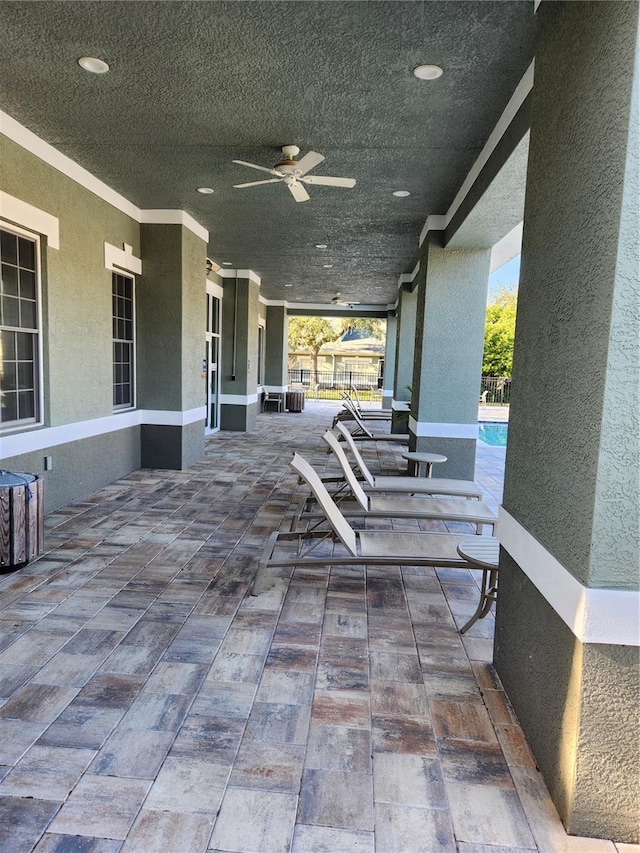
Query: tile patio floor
pixel 147 704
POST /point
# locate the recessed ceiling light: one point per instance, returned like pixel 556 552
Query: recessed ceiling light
pixel 401 193
pixel 327 266
pixel 205 190
pixel 94 65
pixel 321 245
pixel 288 285
pixel 226 263
pixel 428 72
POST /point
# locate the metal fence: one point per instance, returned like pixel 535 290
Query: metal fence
pixel 495 389
pixel 329 385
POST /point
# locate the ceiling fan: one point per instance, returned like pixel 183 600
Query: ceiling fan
pixel 338 300
pixel 294 173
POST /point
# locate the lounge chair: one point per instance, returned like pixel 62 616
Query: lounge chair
pixel 408 485
pixel 361 432
pixel 349 405
pixel 381 548
pixel 365 505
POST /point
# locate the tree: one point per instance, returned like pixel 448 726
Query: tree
pixel 369 327
pixel 499 334
pixel 309 333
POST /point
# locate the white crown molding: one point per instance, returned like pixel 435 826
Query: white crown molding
pixel 28 140
pixel 250 274
pixel 121 259
pixel 40 439
pixel 273 303
pixel 407 278
pixel 174 217
pixel 15 210
pixel 443 430
pixel 608 616
pixel 437 223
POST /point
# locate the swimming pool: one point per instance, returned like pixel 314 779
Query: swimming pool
pixel 493 434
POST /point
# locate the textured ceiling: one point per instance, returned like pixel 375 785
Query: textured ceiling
pixel 194 85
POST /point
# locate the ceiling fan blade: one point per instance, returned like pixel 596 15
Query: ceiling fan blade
pixel 257 183
pixel 254 166
pixel 310 160
pixel 298 192
pixel 321 180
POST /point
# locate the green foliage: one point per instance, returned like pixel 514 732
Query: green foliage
pixel 309 333
pixel 369 327
pixel 499 334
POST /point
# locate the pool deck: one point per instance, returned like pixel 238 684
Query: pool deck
pixel 149 705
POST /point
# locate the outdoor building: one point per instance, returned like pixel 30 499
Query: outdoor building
pixel 147 288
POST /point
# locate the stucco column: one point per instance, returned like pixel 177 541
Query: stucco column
pixel 276 349
pixel 567 624
pixel 239 388
pixel 169 345
pixel 405 343
pixel 452 299
pixel 389 361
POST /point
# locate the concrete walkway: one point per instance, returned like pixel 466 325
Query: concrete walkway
pixel 148 704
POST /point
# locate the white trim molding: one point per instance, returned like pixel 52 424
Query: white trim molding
pixel 408 277
pixel 507 248
pixel 121 259
pixel 400 405
pixel 16 444
pixel 174 217
pixel 28 140
pixel 238 399
pixel 437 223
pixel 443 430
pixel 250 274
pixel 607 616
pixel 33 218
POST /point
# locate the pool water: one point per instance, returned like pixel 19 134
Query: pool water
pixel 493 434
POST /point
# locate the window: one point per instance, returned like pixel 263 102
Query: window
pixel 19 329
pixel 260 376
pixel 123 341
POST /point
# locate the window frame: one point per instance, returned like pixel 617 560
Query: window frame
pixel 38 333
pixel 124 407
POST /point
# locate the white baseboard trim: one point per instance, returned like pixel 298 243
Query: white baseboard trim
pixel 442 430
pixel 238 399
pixel 40 439
pixel 607 616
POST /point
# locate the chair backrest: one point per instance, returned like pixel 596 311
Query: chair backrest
pixel 366 473
pixel 341 526
pixel 355 414
pixel 349 475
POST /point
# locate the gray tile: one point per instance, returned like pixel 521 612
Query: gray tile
pixel 22 822
pixel 46 773
pixel 252 821
pixel 339 748
pixel 338 799
pixel 101 806
pixel 16 736
pixel 408 829
pixel 137 754
pixel 488 814
pixel 268 766
pixel 159 832
pixel 54 843
pixel 195 786
pixel 326 839
pixel 408 780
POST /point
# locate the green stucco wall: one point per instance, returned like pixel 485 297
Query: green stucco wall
pixel 77 289
pixel 577 310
